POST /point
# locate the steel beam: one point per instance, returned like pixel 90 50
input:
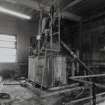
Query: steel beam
pixel 71 4
pixel 29 3
pixel 70 16
pixel 38 6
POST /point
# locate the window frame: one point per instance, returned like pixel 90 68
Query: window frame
pixel 9 34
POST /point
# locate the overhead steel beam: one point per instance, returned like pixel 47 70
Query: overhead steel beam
pixel 37 6
pixel 29 3
pixel 73 16
pixel 94 17
pixel 71 4
pixel 70 16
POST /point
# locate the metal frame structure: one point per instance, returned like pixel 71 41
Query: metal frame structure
pixel 45 47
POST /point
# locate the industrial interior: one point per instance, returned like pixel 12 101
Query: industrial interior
pixel 52 52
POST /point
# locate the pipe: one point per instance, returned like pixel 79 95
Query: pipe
pixel 75 56
pixel 62 91
pixel 88 76
pixel 83 99
pixel 90 83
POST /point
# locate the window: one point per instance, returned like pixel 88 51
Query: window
pixel 7 48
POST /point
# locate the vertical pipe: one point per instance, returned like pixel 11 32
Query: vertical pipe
pixel 59 26
pixel 73 69
pixel 80 40
pixel 80 33
pixel 51 24
pixel 51 40
pixel 91 94
pixel 77 64
pixel 94 93
pixel 39 31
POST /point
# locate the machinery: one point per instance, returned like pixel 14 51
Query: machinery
pixel 47 66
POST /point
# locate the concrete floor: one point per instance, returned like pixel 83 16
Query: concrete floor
pixel 25 96
pixel 19 95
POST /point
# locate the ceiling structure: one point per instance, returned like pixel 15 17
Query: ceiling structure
pixel 73 9
pixel 87 8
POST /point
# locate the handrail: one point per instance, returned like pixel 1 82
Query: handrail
pixel 88 76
